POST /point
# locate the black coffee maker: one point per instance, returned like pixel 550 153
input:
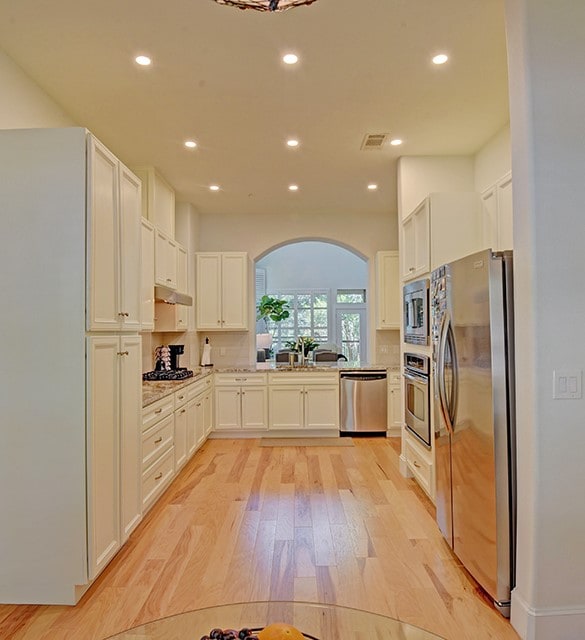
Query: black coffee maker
pixel 175 351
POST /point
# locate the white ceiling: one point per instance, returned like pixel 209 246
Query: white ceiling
pixel 218 78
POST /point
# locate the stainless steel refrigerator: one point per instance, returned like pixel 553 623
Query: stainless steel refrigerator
pixel 473 366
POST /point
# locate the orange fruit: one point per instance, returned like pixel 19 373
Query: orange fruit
pixel 280 631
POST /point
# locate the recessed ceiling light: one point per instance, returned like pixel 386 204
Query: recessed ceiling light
pixel 143 61
pixel 293 187
pixel 395 142
pixel 191 144
pixel 290 58
pixel 372 187
pixel 441 58
pixel 292 143
pixel 214 187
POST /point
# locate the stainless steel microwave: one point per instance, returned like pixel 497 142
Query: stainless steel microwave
pixel 416 312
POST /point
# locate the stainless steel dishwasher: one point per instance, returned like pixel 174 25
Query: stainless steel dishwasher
pixel 363 399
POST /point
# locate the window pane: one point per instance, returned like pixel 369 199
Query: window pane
pixel 321 335
pixel 304 301
pixel 351 296
pixel 320 300
pixel 320 317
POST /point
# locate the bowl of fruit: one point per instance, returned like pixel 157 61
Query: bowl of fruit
pixel 274 631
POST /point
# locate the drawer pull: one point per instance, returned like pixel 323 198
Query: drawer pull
pixel 183 411
pixel 416 464
pixel 181 397
pixel 159 410
pixel 122 353
pixel 158 476
pixel 158 440
pixel 198 404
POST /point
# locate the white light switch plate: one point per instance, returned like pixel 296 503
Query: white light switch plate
pixel 567 384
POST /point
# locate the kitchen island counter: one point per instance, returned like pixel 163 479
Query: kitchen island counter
pixel 153 390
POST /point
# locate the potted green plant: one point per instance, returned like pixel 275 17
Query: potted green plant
pixel 308 344
pixel 274 309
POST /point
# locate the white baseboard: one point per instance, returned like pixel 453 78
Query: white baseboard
pixel 547 624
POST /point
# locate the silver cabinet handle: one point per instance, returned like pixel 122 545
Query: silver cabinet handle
pixel 158 440
pixel 158 476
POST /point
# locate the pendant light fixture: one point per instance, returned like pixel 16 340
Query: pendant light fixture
pixel 265 5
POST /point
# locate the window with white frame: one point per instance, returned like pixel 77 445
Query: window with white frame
pixel 309 317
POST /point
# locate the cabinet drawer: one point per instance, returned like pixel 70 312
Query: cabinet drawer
pixel 199 387
pixel 181 397
pixel 157 440
pixel 421 468
pixel 240 379
pixel 157 477
pixel 157 411
pixel 303 378
pixel 394 379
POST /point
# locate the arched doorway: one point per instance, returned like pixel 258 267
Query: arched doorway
pixel 325 286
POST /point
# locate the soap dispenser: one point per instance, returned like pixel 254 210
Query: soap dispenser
pixel 206 355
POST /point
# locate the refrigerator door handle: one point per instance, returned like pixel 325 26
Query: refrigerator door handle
pixel 445 324
pixel 454 396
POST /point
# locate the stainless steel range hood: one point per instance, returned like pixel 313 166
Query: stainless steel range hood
pixel 164 294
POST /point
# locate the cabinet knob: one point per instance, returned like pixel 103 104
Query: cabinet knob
pixel 182 410
pixel 169 280
pixel 411 269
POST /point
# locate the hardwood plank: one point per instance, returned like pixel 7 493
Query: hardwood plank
pixel 245 523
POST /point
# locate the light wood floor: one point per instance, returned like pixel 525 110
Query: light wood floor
pixel 241 523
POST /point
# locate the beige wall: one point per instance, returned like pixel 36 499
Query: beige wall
pixel 493 160
pixel 23 104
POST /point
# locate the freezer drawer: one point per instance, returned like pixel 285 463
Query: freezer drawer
pixel 363 401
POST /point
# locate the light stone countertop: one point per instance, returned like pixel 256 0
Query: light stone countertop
pixel 153 390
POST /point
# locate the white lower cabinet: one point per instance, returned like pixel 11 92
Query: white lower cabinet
pixel 303 401
pixel 420 464
pixel 181 428
pixel 114 505
pixel 241 402
pixel 394 404
pixel 158 455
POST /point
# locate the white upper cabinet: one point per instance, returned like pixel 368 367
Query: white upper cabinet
pixel 388 290
pixel 113 220
pixel 165 260
pixel 158 205
pixel 442 228
pixel 497 215
pixel 147 277
pixel 222 291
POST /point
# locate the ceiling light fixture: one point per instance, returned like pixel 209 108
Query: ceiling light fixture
pixel 214 187
pixel 372 187
pixel 441 58
pixel 191 144
pixel 292 143
pixel 143 61
pixel 293 187
pixel 396 142
pixel 290 58
pixel 265 5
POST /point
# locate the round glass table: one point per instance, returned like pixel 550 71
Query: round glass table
pixel 320 621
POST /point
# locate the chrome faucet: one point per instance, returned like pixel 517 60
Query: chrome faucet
pixel 301 344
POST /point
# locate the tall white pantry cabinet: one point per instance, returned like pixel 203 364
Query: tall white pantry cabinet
pixel 70 484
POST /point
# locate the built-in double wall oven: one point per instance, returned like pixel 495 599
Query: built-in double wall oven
pixel 417 397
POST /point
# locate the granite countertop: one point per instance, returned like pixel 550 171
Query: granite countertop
pixel 157 389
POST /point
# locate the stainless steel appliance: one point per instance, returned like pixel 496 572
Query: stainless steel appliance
pixel 417 398
pixel 363 400
pixel 474 404
pixel 415 297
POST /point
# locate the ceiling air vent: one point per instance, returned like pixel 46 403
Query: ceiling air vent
pixel 374 141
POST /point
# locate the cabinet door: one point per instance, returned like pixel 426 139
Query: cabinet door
pixel 130 357
pixel 408 247
pixel 505 215
pixel 422 248
pixel 130 245
pixel 200 421
pixel 227 408
pixel 103 452
pixel 163 205
pixel 147 277
pixel 180 440
pixel 234 292
pixel 208 413
pixel 103 239
pixel 388 290
pixel 160 258
pixel 286 407
pixel 191 427
pixel 208 309
pixel 322 407
pixel 394 408
pixel 254 408
pixel 182 286
pixel 489 201
pixel 171 264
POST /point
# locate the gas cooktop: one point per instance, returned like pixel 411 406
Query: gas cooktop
pixel 168 374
